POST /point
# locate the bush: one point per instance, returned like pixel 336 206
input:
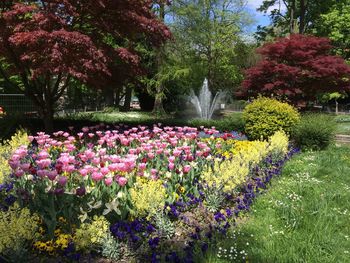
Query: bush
pixel 233 122
pixel 264 116
pixel 314 132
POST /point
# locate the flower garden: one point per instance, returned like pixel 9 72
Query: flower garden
pixel 129 193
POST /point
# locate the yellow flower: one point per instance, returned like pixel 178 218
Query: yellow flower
pixel 16 226
pixel 147 197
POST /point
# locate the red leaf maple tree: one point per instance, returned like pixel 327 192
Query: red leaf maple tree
pixel 297 68
pixel 46 44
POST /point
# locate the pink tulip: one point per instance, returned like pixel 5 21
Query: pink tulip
pixel 171 166
pixel 62 180
pixel 142 166
pixel 19 173
pixel 97 176
pixel 186 169
pixel 83 172
pixel 104 171
pixel 108 181
pixel 51 174
pixel 122 181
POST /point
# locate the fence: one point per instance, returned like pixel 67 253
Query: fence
pixel 17 104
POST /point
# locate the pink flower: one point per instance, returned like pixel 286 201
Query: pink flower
pixel 177 152
pixel 122 181
pixel 19 172
pixel 51 175
pixel 186 169
pixel 43 163
pixel 25 166
pixel 104 171
pixel 108 181
pixel 97 176
pixel 42 173
pixel 62 180
pixel 171 166
pixel 142 166
pixel 150 155
pixel 83 172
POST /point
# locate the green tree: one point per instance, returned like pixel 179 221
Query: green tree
pixel 292 16
pixel 207 35
pixel 335 25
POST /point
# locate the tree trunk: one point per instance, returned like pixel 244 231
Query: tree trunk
pixel 302 17
pixel 109 97
pixel 47 117
pixel 292 14
pixel 158 108
pixel 127 101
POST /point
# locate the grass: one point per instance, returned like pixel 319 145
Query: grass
pixel 303 217
pixel 343 124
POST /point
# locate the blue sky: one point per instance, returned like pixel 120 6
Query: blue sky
pixel 260 18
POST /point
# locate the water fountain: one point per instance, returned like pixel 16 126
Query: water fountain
pixel 204 103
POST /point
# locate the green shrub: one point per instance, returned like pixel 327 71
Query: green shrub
pixel 314 132
pixel 264 116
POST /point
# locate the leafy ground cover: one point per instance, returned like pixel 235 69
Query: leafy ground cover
pixel 304 217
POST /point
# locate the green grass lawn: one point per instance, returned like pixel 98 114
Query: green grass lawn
pixel 303 217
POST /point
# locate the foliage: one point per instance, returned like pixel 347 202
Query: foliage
pixel 264 116
pixel 205 46
pixel 334 25
pixel 297 68
pixel 164 225
pixel 18 227
pixel 292 16
pixel 45 45
pixel 91 236
pixel 315 131
pixel 111 248
pixel 147 197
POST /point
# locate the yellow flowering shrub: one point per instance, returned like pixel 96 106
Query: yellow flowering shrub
pixel 17 226
pixel 278 143
pixel 7 148
pixel 91 235
pixel 148 197
pixel 244 155
pixel 264 116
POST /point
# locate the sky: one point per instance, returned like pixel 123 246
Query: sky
pixel 260 18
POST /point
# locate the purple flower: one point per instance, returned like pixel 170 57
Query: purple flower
pixel 153 242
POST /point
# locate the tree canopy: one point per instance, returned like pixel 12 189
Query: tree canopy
pixel 45 44
pixel 297 68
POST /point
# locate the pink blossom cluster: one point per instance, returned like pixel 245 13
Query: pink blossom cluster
pixel 110 156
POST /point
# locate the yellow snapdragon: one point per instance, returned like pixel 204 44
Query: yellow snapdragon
pixel 148 197
pixel 244 155
pixel 278 143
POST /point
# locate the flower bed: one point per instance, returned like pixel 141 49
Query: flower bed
pixel 158 194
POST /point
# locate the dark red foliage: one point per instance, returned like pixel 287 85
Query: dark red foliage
pixel 47 43
pixel 297 68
